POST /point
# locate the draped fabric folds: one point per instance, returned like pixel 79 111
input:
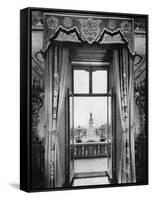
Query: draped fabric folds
pixel 123 76
pixel 58 80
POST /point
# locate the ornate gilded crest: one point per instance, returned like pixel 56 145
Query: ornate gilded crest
pixel 90 29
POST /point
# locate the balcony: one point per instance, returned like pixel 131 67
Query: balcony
pixel 90 164
pixel 90 150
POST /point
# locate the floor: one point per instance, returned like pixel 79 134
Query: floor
pixel 90 165
pixel 91 181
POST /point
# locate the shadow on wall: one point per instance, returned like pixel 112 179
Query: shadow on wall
pixel 15 185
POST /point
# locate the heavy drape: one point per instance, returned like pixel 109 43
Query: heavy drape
pixel 123 76
pixel 58 80
pixel 48 117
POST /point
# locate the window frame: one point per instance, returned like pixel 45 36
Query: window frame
pixel 90 70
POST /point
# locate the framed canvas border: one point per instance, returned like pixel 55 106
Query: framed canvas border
pixel 25 97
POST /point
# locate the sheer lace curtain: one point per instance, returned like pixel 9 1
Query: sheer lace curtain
pixel 123 76
pixel 57 81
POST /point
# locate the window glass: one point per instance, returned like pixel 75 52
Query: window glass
pixel 99 81
pixel 90 119
pixel 81 81
pixel 83 106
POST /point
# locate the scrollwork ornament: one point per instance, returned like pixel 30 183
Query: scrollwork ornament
pixel 112 24
pixel 90 29
pixel 125 26
pixel 53 22
pixel 67 22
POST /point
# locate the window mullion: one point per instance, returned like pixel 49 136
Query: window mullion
pixel 90 81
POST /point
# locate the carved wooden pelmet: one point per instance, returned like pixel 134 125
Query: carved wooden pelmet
pixel 88 29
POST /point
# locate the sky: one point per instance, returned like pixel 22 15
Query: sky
pixel 85 105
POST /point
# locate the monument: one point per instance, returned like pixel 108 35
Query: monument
pixel 91 135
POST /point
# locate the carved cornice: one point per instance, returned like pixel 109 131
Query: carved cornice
pixel 38 22
pixel 112 38
pixel 71 37
pixel 88 29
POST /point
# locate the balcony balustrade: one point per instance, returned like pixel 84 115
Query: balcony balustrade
pixel 90 150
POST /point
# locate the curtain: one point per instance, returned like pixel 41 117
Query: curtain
pixel 123 76
pixel 58 80
pixel 59 122
pixel 48 114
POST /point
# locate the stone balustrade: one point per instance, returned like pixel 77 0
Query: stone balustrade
pixel 90 150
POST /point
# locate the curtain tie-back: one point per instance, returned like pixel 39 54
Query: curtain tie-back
pixel 52 132
pixel 131 127
pixel 125 131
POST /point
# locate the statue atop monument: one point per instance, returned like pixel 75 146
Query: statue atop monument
pixel 91 132
pixel 90 115
pixel 90 121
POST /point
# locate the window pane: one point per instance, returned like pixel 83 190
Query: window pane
pixel 99 81
pixel 90 118
pixel 81 81
pixel 85 105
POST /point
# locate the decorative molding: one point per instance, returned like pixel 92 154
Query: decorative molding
pixel 38 65
pixel 89 29
pixel 72 37
pixel 126 26
pixel 140 98
pixel 140 94
pixel 38 22
pixel 39 57
pixel 112 24
pixel 52 22
pixel 140 70
pixel 67 21
pixel 109 39
pixel 139 26
pixel 37 102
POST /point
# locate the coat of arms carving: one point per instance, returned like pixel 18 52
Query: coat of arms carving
pixel 90 29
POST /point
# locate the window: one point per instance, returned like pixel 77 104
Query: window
pixel 90 98
pixel 85 105
pixel 99 81
pixel 81 81
pixel 90 80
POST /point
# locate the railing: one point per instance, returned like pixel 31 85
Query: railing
pixel 90 150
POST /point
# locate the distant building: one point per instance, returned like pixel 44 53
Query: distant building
pixel 91 135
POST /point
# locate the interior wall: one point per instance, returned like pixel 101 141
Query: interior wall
pixel 140 74
pixel 41 123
